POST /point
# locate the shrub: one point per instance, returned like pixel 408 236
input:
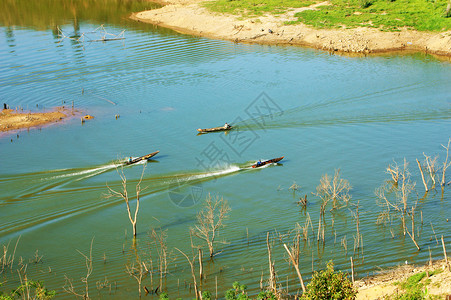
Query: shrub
pixel 206 295
pixel 266 295
pixel 33 289
pixel 238 292
pixel 329 285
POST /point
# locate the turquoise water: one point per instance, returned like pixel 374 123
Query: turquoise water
pixel 322 112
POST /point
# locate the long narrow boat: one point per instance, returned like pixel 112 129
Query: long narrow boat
pixel 269 161
pixel 222 128
pixel 138 159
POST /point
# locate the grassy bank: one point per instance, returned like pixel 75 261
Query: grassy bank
pixel 387 15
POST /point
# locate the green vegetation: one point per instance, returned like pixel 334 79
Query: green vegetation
pixel 238 292
pixel 251 8
pixel 327 284
pixel 387 15
pixel 415 288
pixel 29 290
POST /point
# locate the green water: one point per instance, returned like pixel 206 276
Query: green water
pixel 322 112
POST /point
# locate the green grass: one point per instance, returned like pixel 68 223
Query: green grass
pixel 420 15
pixel 252 8
pixel 415 287
pixel 387 15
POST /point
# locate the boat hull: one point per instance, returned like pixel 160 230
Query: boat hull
pixel 269 161
pixel 138 159
pixel 214 129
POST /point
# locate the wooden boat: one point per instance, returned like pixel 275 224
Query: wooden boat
pixel 138 159
pixel 222 128
pixel 269 161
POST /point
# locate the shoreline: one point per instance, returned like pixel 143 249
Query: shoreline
pixel 386 283
pixel 190 17
pixel 12 121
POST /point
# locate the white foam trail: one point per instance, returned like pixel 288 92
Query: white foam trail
pixel 89 172
pixel 185 178
pixel 229 170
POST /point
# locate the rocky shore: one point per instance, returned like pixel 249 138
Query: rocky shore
pixel 191 17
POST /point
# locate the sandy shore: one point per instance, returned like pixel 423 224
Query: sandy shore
pixel 385 284
pixel 190 17
pixel 12 120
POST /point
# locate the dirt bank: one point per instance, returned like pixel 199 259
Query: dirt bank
pixel 190 17
pixel 385 284
pixel 12 120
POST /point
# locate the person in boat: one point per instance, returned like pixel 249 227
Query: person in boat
pixel 259 163
pixel 226 125
pixel 130 159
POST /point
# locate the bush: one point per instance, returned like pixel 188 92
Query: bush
pixel 238 292
pixel 33 289
pixel 266 295
pixel 329 285
pixel 206 295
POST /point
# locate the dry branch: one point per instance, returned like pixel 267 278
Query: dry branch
pixel 444 253
pixel 296 266
pixel 333 189
pixel 272 272
pixel 446 164
pixel 123 194
pixel 393 170
pixel 422 176
pixel 209 220
pixel 191 263
pixel 69 287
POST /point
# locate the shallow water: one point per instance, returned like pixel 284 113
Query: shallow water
pixel 322 112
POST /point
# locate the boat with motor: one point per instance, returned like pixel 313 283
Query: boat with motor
pixel 138 159
pixel 266 162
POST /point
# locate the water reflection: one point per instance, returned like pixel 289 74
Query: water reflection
pixel 49 14
pixel 356 114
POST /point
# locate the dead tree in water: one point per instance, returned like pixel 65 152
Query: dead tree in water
pixel 397 199
pixel 191 264
pixel 272 272
pixel 430 167
pixel 138 271
pixel 295 263
pixel 412 235
pixel 69 287
pixel 209 220
pixel 393 170
pixel 333 189
pixel 446 164
pixel 356 216
pixel 158 238
pixel 123 194
pixel 422 176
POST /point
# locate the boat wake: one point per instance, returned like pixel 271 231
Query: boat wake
pixel 87 173
pixel 61 195
pixel 229 170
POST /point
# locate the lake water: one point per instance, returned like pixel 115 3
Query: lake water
pixel 322 112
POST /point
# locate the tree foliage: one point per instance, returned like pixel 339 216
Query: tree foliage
pixel 327 284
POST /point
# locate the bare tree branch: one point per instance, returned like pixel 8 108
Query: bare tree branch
pixel 209 220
